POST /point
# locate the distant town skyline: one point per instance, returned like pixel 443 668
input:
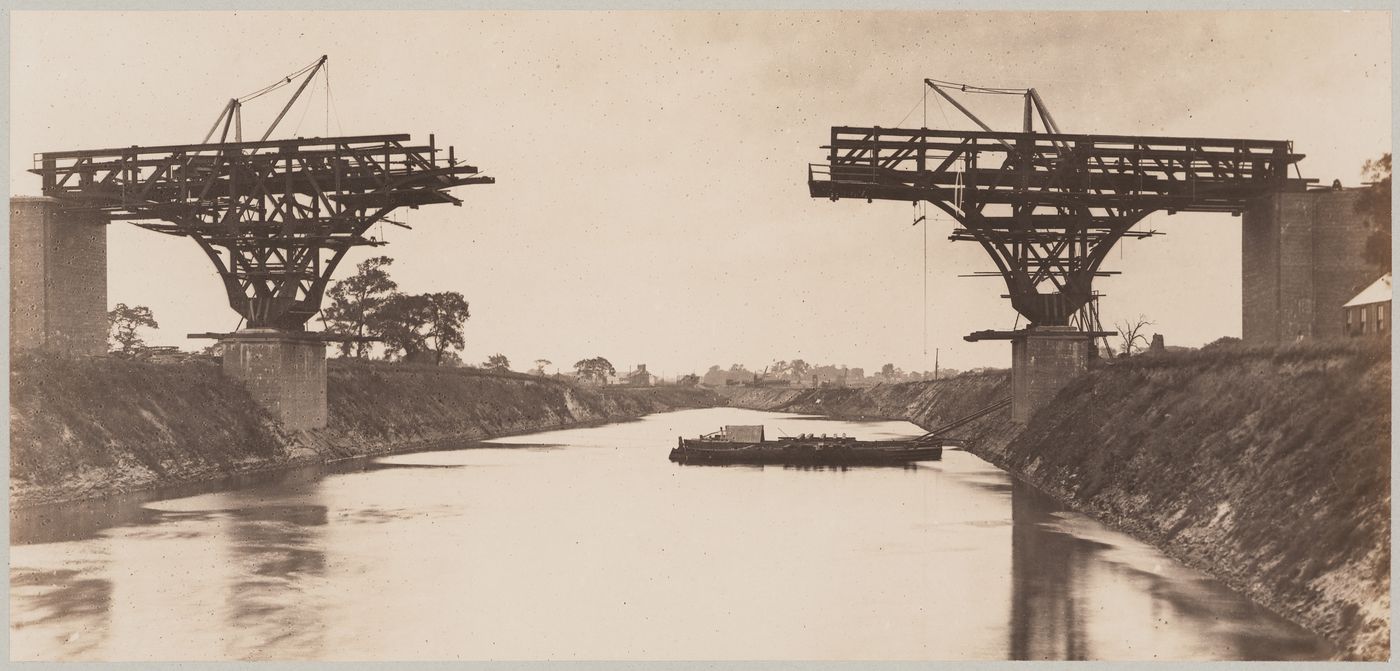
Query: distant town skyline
pixel 651 202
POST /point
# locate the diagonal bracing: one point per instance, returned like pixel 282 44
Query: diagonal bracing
pixel 1048 206
pixel 275 217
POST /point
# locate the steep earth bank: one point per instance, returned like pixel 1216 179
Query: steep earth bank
pixel 82 428
pixel 1268 468
pixel 930 404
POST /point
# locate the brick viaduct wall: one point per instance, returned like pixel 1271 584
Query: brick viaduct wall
pixel 1301 260
pixel 58 278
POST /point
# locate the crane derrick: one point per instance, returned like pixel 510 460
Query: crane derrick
pixel 275 217
pixel 1047 206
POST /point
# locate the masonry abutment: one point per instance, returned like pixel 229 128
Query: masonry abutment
pixel 1301 261
pixel 284 371
pixel 58 278
pixel 1043 360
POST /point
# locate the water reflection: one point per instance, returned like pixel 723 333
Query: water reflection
pixel 65 609
pixel 1046 569
pixel 590 544
pixel 273 602
pixel 1080 591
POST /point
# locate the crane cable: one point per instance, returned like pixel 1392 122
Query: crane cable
pixel 277 85
pixel 971 88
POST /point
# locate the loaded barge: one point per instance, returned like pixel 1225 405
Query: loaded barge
pixel 746 445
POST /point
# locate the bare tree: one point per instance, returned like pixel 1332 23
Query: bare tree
pixel 1130 332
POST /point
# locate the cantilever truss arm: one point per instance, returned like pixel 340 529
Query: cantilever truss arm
pixel 275 217
pixel 1048 207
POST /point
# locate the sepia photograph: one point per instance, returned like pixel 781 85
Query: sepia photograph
pixel 686 335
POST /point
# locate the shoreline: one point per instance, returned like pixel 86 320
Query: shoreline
pixel 1228 459
pixel 433 445
pixel 170 424
pixel 1165 449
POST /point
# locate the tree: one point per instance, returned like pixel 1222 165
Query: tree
pixel 448 313
pixel 887 371
pixel 416 326
pixel 540 366
pixel 399 323
pixel 123 322
pixel 596 369
pixel 689 380
pixel 354 301
pixel 799 368
pixel 1374 204
pixel 715 376
pixel 497 361
pixel 1131 333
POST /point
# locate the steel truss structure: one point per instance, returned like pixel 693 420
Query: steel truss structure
pixel 276 217
pixel 1048 206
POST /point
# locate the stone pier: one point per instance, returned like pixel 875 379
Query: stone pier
pixel 58 278
pixel 1302 259
pixel 285 372
pixel 1043 360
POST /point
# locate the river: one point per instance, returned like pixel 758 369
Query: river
pixel 589 544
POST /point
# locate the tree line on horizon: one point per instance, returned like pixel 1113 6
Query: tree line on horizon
pixel 799 372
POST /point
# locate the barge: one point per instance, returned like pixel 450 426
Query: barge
pixel 746 445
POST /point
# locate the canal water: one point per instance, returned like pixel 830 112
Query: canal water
pixel 589 544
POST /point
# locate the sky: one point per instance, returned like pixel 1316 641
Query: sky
pixel 651 203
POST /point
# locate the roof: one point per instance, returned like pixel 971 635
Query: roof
pixel 1378 292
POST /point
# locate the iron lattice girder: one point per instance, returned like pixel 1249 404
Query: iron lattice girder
pixel 1047 207
pixel 275 217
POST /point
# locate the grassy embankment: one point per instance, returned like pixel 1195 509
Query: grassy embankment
pixel 82 428
pixel 1266 467
pixel 1269 468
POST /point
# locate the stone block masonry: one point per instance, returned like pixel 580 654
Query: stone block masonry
pixel 1043 360
pixel 285 372
pixel 1301 261
pixel 58 278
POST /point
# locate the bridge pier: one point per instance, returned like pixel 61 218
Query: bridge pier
pixel 284 371
pixel 1043 360
pixel 58 278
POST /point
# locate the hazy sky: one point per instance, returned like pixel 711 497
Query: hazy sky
pixel 651 202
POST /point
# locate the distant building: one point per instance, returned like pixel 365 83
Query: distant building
pixel 638 377
pixel 1368 313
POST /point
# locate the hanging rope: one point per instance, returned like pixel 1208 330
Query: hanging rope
pixel 330 102
pixel 306 107
pixel 906 115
